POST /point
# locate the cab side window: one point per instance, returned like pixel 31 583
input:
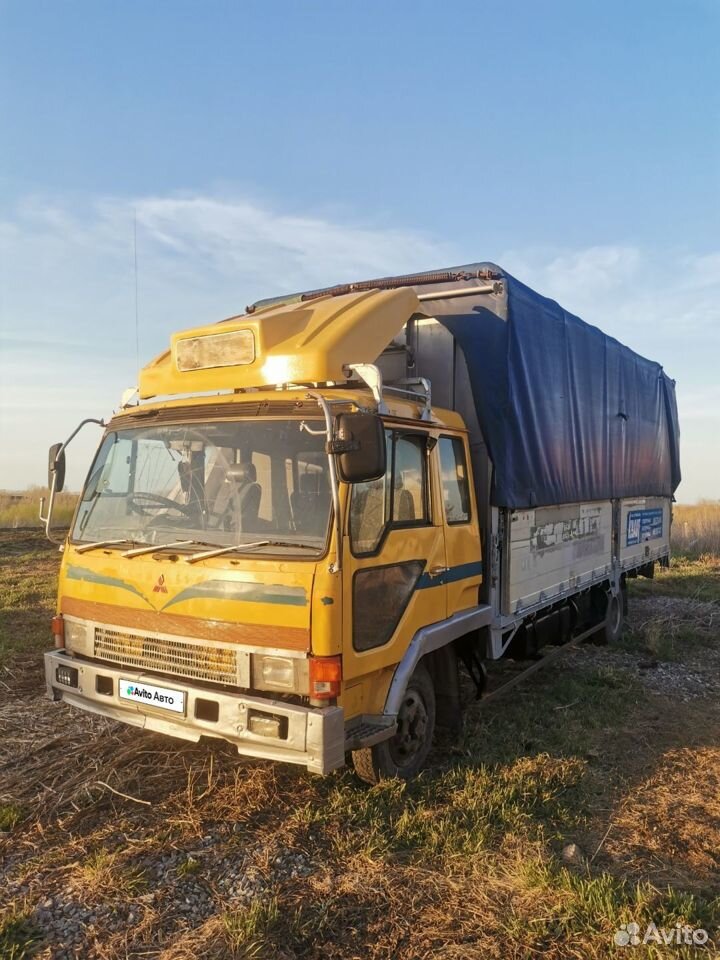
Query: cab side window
pixel 398 499
pixel 409 480
pixel 454 479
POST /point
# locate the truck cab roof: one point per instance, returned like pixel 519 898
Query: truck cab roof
pixel 273 402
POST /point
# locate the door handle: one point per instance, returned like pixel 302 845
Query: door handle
pixel 437 570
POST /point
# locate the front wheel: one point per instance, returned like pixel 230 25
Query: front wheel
pixel 403 755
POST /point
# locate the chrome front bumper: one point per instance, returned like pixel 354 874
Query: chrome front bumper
pixel 313 737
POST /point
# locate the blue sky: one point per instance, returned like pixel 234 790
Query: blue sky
pixel 268 146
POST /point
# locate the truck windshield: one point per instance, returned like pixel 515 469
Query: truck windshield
pixel 220 483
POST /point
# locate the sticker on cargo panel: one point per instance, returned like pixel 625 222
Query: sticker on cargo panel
pixel 644 525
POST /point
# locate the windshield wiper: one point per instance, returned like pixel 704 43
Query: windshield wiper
pixel 100 543
pixel 151 548
pixel 241 547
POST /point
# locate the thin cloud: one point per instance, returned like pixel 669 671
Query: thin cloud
pixel 67 295
pixel 67 300
pixel 626 288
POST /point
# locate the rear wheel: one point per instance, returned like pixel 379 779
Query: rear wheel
pixel 403 755
pixel 614 618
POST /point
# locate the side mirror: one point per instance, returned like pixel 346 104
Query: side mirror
pixel 360 447
pixel 56 467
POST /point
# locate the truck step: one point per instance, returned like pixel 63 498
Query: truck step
pixel 368 729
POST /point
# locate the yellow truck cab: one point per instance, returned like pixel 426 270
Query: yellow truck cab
pixel 281 543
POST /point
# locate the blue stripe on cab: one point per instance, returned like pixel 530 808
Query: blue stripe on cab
pixel 460 572
pixel 243 591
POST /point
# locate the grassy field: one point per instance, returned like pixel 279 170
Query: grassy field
pixel 696 529
pixel 21 509
pixel 589 800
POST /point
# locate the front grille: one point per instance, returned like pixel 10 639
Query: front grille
pixel 165 655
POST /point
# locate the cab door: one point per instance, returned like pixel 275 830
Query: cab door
pixel 394 556
pixel 463 554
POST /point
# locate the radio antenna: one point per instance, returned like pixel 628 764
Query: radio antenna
pixel 137 313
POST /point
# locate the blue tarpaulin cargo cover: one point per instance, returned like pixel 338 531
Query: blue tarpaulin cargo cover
pixel 568 413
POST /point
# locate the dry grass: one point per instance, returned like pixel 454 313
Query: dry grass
pixel 683 790
pixel 695 579
pixel 18 934
pixel 21 509
pixel 104 875
pixel 465 863
pixel 28 585
pixel 669 627
pixel 696 529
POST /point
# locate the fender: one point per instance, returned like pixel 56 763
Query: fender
pixel 430 638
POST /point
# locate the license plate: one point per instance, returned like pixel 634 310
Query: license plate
pixel 148 695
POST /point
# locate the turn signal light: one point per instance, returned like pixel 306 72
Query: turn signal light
pixel 325 677
pixel 57 628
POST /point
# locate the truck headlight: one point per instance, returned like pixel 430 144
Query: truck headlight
pixel 288 674
pixel 76 635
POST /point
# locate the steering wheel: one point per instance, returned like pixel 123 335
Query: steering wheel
pixel 150 501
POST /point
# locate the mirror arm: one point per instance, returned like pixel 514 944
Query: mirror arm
pixel 47 520
pixel 370 374
pixel 313 433
pixel 335 567
pixel 78 428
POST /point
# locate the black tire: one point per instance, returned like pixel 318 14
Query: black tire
pixel 614 619
pixel 402 757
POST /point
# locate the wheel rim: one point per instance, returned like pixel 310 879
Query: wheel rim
pixel 412 729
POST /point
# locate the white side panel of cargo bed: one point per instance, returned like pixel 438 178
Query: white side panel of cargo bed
pixel 644 530
pixel 555 549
